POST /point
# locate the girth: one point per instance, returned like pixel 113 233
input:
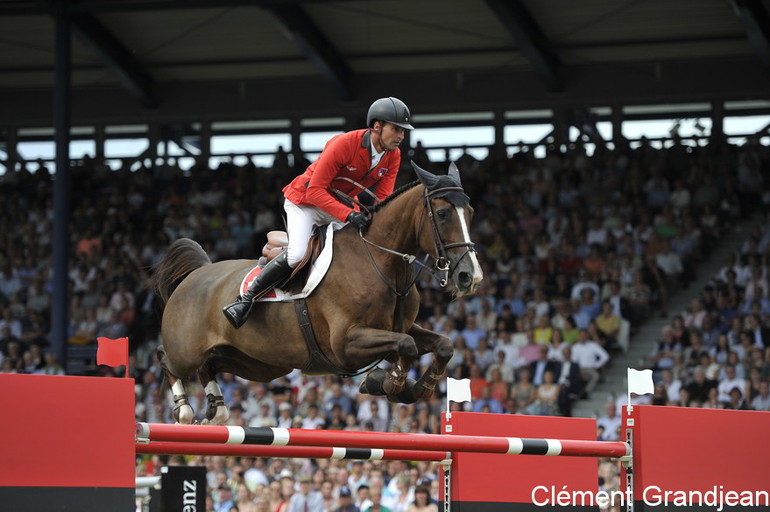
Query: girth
pixel 317 362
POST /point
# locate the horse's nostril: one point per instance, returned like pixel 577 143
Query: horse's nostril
pixel 465 278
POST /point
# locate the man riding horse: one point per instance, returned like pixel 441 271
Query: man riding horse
pixel 365 158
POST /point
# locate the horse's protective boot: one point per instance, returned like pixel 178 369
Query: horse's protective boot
pixel 273 273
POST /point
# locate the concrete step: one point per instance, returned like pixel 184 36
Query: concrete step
pixel 644 341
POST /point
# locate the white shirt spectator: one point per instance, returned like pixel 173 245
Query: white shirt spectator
pixel 727 385
pixel 589 354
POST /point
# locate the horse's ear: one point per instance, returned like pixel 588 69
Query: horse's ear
pixel 426 178
pixel 454 173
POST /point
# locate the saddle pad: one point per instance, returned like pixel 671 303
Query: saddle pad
pixel 317 271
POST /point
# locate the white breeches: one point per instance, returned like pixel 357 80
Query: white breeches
pixel 300 221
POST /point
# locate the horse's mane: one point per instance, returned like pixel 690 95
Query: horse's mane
pixel 385 202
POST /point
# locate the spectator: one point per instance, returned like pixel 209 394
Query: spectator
pixel 307 500
pixel 610 422
pixel 591 358
pixel 730 382
pixel 761 402
pixel 570 382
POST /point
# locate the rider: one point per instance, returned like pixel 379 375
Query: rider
pixel 369 157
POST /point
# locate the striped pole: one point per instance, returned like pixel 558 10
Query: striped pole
pixel 384 440
pixel 307 452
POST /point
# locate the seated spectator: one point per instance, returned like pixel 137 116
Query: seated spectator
pixel 541 365
pixel 570 382
pixel 671 386
pixel 695 315
pixel 502 365
pixel 666 350
pixel 543 332
pixel 730 382
pixel 546 397
pixel 478 382
pixel 608 324
pixel 610 422
pixel 737 401
pixel 761 402
pixel 591 358
pixel 571 332
pixel 523 391
pixel 487 403
pixel 498 388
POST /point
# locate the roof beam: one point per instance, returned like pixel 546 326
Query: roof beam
pixel 37 7
pixel 315 46
pixel 115 57
pixel 532 42
pixel 756 22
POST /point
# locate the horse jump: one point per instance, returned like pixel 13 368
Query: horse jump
pixel 673 450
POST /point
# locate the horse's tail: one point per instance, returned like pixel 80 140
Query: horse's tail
pixel 183 256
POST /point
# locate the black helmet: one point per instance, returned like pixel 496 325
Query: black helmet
pixel 391 110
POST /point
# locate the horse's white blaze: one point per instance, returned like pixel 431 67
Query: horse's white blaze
pixel 477 274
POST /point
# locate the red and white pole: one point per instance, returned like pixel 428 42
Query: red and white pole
pixel 383 440
pixel 310 452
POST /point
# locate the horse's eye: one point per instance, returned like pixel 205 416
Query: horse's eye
pixel 443 213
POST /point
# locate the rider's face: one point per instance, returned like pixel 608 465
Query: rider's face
pixel 390 136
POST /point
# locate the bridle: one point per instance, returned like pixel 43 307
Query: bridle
pixel 442 267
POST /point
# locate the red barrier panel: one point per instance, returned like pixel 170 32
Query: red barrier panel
pixel 491 483
pixel 310 452
pixel 710 457
pixel 343 438
pixel 66 440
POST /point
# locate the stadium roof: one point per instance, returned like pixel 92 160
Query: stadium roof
pixel 135 59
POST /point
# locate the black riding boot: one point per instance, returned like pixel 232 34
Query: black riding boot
pixel 274 272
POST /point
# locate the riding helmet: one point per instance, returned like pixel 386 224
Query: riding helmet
pixel 391 110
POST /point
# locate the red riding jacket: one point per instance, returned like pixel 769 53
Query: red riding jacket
pixel 346 155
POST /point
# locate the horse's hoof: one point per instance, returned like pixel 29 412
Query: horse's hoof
pixel 372 383
pixel 185 415
pixel 406 395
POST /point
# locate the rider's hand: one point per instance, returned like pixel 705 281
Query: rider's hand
pixel 360 220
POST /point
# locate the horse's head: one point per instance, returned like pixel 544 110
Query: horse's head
pixel 447 237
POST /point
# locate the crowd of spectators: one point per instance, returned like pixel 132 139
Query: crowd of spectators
pixel 576 250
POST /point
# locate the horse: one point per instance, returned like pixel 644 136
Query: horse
pixel 361 313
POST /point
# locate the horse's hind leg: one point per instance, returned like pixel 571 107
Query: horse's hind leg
pixel 183 412
pixel 216 412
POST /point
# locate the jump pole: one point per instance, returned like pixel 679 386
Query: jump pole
pixel 310 452
pixel 270 436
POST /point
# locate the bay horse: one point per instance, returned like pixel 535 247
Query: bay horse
pixel 361 313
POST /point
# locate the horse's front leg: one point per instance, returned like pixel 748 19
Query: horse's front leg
pixel 441 346
pixel 365 343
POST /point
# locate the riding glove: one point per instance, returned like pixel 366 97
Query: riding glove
pixel 360 220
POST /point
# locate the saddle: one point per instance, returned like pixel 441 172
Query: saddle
pixel 277 241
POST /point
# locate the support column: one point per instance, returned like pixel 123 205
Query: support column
pixel 296 146
pixel 617 127
pixel 99 139
pixel 498 149
pixel 205 144
pixel 561 124
pixel 61 189
pixel 717 122
pixel 11 140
